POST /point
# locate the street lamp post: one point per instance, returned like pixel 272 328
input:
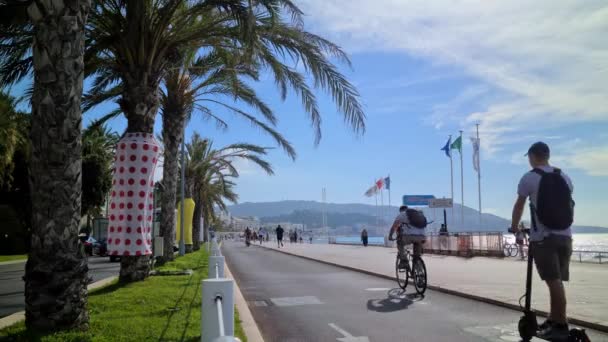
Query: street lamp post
pixel 182 246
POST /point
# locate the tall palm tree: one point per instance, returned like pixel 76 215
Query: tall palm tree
pixel 56 270
pixel 211 78
pixel 134 43
pixel 209 172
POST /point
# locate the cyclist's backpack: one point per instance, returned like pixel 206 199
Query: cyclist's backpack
pixel 416 218
pixel 554 204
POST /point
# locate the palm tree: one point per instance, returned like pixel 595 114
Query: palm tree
pixel 98 145
pixel 13 135
pixel 212 78
pixel 133 44
pixel 56 270
pixel 209 172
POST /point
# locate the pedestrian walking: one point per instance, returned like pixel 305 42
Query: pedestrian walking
pixel 279 231
pixel 364 237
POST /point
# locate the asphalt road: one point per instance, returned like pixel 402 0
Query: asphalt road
pixel 11 283
pixel 296 300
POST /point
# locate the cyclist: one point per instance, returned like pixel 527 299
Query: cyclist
pixel 520 240
pixel 406 234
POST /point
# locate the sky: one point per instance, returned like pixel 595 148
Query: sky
pixel 524 71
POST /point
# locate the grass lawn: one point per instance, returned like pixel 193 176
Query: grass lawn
pixel 161 308
pixel 13 257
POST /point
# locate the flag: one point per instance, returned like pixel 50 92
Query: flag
pixel 457 145
pixel 371 191
pixel 387 183
pixel 475 142
pixel 380 183
pixel 446 148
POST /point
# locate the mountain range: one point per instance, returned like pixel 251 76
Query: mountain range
pixel 351 214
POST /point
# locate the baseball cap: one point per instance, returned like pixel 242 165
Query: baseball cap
pixel 539 149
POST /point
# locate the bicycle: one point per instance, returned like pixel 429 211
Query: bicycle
pixel 415 269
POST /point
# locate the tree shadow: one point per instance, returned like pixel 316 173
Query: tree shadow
pixel 106 289
pixel 396 300
pixel 194 277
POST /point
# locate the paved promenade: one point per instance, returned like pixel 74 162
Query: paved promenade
pixel 497 279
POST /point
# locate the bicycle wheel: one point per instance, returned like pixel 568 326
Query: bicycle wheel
pixel 506 249
pixel 419 275
pixel 401 274
pixel 514 249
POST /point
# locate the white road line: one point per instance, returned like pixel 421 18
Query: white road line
pixel 340 330
pixel 347 336
pixel 378 289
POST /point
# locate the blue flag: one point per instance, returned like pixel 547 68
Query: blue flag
pixel 446 148
pixel 387 183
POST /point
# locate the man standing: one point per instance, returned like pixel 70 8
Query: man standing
pixel 552 212
pixel 279 232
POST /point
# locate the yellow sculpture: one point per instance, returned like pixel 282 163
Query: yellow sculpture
pixel 188 215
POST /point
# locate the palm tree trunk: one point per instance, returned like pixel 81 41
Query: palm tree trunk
pixel 56 271
pixel 139 102
pixel 196 223
pixel 205 227
pixel 173 130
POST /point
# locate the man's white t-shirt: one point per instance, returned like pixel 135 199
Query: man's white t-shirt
pixel 405 228
pixel 528 187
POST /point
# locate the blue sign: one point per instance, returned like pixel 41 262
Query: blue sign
pixel 417 200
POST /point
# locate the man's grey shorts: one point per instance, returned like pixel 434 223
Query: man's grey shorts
pixel 552 257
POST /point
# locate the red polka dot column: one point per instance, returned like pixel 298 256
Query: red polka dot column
pixel 131 204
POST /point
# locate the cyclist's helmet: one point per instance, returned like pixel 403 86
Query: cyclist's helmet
pixel 402 208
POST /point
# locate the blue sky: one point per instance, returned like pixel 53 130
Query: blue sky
pixel 523 71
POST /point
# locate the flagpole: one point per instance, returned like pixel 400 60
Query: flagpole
pixel 451 179
pixel 461 184
pixel 389 192
pixel 376 208
pixel 382 204
pixel 479 171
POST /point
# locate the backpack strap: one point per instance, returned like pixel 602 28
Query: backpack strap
pixel 538 171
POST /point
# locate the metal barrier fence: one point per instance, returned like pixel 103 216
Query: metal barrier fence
pixel 217 301
pixel 466 244
pixel 596 257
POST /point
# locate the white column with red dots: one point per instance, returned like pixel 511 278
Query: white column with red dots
pixel 132 197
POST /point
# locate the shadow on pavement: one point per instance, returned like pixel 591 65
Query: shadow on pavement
pixel 397 300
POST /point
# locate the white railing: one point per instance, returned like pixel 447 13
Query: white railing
pixel 217 301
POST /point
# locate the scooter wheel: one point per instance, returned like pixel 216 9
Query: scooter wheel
pixel 578 335
pixel 527 330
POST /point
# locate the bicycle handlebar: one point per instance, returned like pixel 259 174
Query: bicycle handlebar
pixel 525 231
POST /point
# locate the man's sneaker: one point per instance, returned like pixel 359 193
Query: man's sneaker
pixel 555 332
pixel 546 324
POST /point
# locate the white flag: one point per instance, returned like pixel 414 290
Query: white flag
pixel 371 191
pixel 475 142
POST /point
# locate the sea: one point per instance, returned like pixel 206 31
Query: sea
pixel 580 242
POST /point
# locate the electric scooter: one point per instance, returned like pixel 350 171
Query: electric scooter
pixel 528 325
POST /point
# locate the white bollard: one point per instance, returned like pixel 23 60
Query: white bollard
pixel 212 289
pixel 213 260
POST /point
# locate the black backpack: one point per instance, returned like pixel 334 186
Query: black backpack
pixel 416 218
pixel 554 204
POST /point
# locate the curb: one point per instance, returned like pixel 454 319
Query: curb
pixel 12 262
pixel 251 329
pixel 20 316
pixel 575 321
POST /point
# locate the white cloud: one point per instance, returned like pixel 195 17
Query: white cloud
pixel 543 63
